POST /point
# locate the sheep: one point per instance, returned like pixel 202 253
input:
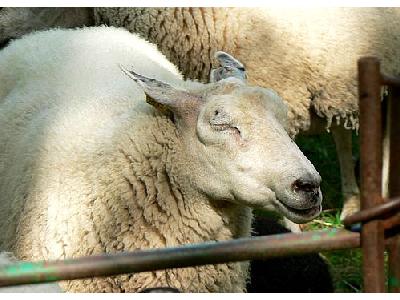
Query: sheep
pixel 88 167
pixel 308 55
pixel 7 258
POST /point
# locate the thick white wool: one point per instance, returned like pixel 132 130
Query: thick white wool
pixel 87 166
pixel 66 111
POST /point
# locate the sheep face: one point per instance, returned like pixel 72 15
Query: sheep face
pixel 237 148
pixel 248 156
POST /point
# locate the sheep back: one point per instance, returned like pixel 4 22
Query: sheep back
pixel 307 55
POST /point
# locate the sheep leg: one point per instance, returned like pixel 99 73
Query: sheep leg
pixel 350 190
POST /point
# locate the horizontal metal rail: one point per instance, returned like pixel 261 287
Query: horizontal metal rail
pixel 390 80
pixel 179 257
pixel 391 224
pixel 378 212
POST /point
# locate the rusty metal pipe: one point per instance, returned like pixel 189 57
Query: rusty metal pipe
pixel 390 81
pixel 378 212
pixel 393 131
pixel 394 142
pixel 179 257
pixel 391 222
pixel 372 236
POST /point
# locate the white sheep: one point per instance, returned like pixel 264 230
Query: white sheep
pixel 88 167
pixel 6 258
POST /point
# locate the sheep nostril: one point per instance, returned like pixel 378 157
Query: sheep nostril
pixel 306 186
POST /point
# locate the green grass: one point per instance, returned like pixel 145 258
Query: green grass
pixel 346 270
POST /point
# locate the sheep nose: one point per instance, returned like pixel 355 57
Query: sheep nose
pixel 309 187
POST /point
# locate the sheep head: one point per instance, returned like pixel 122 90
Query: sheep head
pixel 237 147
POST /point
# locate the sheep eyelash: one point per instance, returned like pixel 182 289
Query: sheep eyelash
pixel 221 122
pixel 226 128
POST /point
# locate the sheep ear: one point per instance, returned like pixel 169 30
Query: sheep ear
pixel 163 96
pixel 230 67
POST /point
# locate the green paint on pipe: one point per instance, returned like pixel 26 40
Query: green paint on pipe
pixel 332 232
pixel 23 268
pixel 29 269
pixel 316 237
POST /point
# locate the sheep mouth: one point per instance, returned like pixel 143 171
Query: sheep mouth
pixel 298 215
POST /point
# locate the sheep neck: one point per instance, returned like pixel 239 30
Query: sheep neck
pixel 169 204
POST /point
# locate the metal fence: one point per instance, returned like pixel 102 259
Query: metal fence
pixel 379 218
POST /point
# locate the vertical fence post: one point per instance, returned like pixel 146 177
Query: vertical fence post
pixel 372 238
pixel 393 131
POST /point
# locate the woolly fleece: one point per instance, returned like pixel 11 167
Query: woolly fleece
pixel 17 21
pixel 308 55
pixel 70 162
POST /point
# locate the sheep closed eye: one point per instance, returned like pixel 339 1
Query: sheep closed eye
pixel 226 128
pixel 222 121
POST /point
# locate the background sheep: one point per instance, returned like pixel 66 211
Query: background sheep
pixel 307 55
pixel 17 21
pixel 87 166
pixel 7 258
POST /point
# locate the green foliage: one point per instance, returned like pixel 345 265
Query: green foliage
pixel 327 219
pixel 346 269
